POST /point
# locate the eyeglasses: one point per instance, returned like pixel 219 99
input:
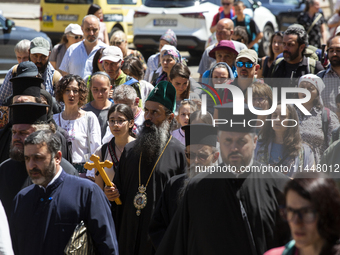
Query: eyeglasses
pixel 259 99
pixel 117 43
pixel 113 122
pixel 77 36
pixel 193 156
pixel 305 214
pixel 246 64
pixel 226 4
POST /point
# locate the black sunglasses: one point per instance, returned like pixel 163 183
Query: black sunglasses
pixel 226 4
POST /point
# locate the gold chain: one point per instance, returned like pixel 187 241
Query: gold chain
pixel 140 159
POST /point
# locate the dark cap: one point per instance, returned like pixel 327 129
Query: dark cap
pixel 165 94
pixel 235 122
pixel 26 69
pixel 26 82
pixel 200 134
pixel 29 113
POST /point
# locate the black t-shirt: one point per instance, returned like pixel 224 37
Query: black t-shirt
pixel 289 68
pixel 254 29
pixel 314 35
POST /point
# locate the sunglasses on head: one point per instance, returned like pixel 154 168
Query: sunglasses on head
pixel 246 64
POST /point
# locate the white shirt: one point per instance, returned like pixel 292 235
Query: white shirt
pixel 5 238
pixel 83 131
pixel 76 61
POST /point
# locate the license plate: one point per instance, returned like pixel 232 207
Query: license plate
pixel 64 17
pixel 165 22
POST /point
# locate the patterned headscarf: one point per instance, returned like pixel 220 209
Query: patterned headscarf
pixel 171 51
pixel 315 80
pixel 170 37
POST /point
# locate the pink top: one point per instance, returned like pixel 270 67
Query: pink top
pixel 102 31
pixel 279 251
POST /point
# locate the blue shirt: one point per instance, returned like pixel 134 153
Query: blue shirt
pixel 76 61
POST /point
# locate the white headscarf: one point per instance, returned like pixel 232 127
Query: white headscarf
pixel 316 81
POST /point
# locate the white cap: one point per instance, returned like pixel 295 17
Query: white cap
pixel 112 53
pixel 337 30
pixel 74 29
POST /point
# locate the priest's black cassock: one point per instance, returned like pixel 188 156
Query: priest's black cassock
pixel 43 221
pixel 14 177
pixel 210 220
pixel 132 230
pixel 166 208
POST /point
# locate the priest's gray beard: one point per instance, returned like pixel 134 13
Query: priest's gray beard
pixel 151 140
pixel 16 153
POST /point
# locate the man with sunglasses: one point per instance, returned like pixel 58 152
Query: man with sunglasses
pixel 79 56
pixel 230 211
pixel 201 152
pixel 246 66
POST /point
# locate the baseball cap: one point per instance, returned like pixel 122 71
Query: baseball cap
pixel 112 53
pixel 74 28
pixel 40 45
pixel 26 69
pixel 249 54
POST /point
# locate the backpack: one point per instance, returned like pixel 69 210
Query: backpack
pixel 325 117
pixel 335 134
pixel 135 84
pixel 247 20
pixel 311 65
pixel 310 52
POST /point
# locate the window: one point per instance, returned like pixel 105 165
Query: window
pixel 69 1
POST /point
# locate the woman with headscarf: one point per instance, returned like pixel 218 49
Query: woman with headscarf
pixel 169 56
pixel 314 131
pixel 168 38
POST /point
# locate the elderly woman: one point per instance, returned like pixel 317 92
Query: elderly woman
pixel 316 129
pixel 280 143
pixel 73 34
pixel 119 39
pixel 168 58
pixel 82 127
pixel 168 38
pixel 312 211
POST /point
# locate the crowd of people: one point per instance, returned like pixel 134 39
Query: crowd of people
pixel 189 174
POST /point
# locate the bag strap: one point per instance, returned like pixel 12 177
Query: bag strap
pixel 325 116
pixel 111 147
pixel 56 77
pixel 311 65
pixel 277 61
pixel 314 22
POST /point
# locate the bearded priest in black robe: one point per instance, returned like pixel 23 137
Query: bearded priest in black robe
pixel 234 211
pixel 144 169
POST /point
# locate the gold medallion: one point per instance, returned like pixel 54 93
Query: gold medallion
pixel 140 199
